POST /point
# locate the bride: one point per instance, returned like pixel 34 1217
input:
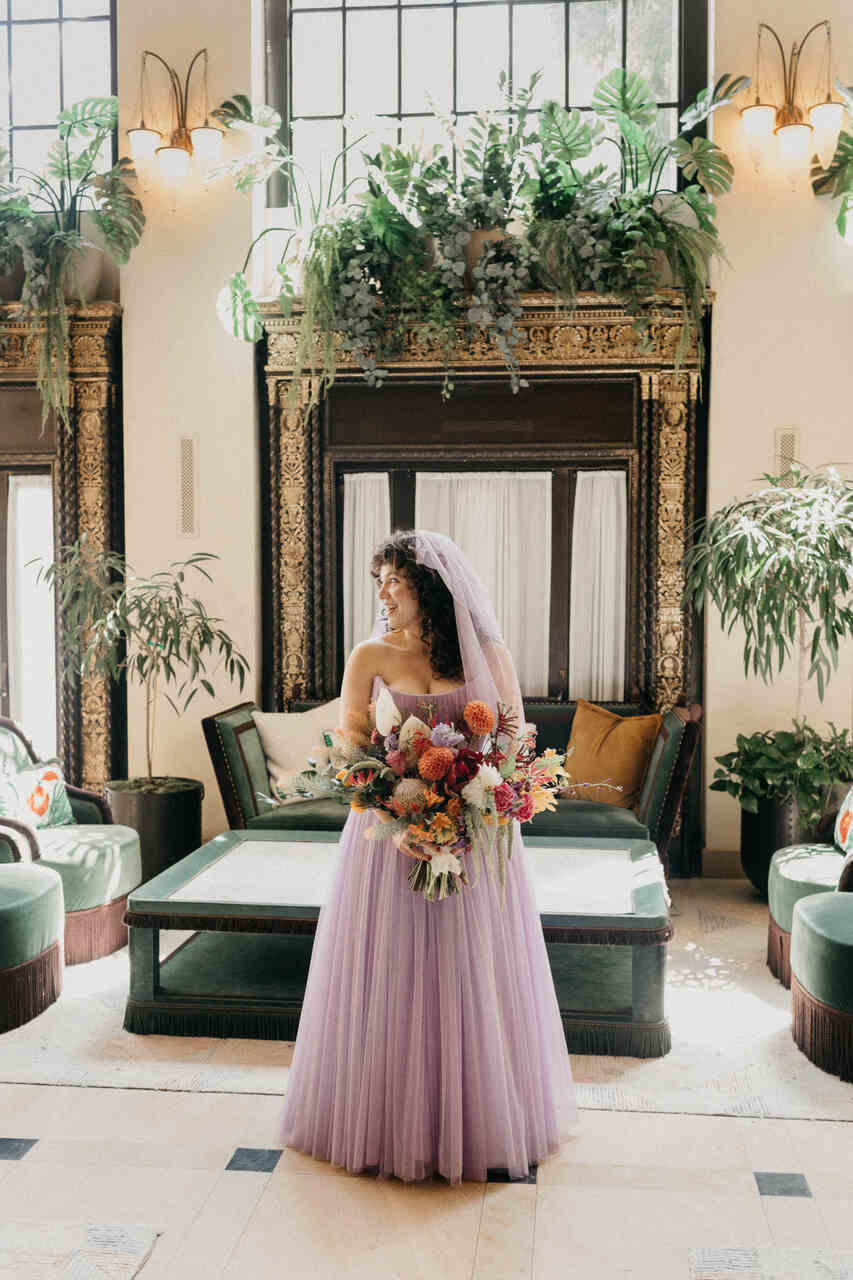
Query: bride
pixel 430 1040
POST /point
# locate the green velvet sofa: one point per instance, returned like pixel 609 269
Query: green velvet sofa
pixel 240 766
pixel 96 860
pixel 32 921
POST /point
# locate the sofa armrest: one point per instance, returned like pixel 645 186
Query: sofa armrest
pixel 19 835
pixel 81 802
pixel 232 739
pixel 666 779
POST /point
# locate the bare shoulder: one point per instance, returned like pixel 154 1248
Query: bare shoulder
pixel 368 656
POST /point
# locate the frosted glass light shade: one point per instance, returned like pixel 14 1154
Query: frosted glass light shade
pixel 207 144
pixel 143 142
pixel 174 162
pixel 826 119
pixel 758 121
pixel 795 146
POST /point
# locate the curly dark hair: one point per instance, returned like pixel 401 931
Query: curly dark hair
pixel 438 615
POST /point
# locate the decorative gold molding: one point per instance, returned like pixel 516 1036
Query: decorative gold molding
pixel 86 477
pixel 598 336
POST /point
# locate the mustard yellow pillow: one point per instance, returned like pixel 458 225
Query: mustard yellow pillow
pixel 605 747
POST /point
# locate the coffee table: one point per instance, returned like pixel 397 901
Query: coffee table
pixel 252 900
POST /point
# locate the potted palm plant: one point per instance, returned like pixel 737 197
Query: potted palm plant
pixel 778 563
pixel 40 219
pixel 162 638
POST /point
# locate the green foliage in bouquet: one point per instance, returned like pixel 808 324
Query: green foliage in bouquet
pixel 40 222
pixel 802 765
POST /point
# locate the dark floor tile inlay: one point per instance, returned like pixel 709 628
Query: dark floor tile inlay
pixel 254 1159
pixel 502 1175
pixel 782 1184
pixel 14 1148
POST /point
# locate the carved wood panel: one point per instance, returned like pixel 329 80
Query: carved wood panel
pixel 87 468
pixel 598 337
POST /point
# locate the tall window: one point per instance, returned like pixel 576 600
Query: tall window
pixel 52 53
pixel 349 61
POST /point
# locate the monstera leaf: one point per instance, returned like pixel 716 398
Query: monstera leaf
pixel 706 162
pixel 91 115
pixel 119 214
pixel 239 113
pixel 710 99
pixel 844 221
pixel 624 93
pixel 566 135
pixel 838 178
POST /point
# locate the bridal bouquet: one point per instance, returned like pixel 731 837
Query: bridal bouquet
pixel 446 791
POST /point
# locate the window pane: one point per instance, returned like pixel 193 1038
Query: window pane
pixel 35 73
pixel 30 148
pixel 85 9
pixel 34 9
pixel 315 145
pixel 317 62
pixel 371 63
pixel 425 132
pixel 653 45
pixel 482 53
pixel 595 46
pixel 85 60
pixel 316 4
pixel 356 167
pixel 667 127
pixel 427 59
pixel 539 44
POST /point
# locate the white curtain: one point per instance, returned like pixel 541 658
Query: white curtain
pixel 367 520
pixel 32 643
pixel 502 521
pixel 599 578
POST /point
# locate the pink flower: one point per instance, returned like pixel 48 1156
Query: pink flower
pixel 397 761
pixel 525 810
pixel 504 798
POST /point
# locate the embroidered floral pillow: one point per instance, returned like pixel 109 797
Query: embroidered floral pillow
pixel 844 824
pixel 36 795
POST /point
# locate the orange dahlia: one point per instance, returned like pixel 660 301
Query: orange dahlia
pixel 479 717
pixel 435 762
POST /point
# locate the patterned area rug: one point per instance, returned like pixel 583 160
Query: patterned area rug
pixel 68 1251
pixel 732 1050
pixel 769 1264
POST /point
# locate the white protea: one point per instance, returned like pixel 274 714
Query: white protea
pixel 388 716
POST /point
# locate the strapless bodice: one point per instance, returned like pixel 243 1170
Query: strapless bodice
pixel 447 706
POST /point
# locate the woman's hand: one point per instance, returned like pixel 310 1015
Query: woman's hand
pixel 423 852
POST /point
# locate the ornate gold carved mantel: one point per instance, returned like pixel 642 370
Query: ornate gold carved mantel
pixel 597 340
pixel 85 463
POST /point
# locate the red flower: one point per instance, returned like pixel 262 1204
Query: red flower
pixel 504 798
pixel 434 763
pixel 464 767
pixel 526 809
pixel 50 776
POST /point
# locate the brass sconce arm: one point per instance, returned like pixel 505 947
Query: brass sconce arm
pixel 180 93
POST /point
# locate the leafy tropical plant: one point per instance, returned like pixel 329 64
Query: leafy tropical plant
pixel 779 562
pixel 40 218
pixel 610 229
pixel 801 765
pixel 837 180
pixel 150 628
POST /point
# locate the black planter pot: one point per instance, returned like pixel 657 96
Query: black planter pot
pixel 776 825
pixel 168 820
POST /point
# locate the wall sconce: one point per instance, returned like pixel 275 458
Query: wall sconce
pixel 172 155
pixel 799 137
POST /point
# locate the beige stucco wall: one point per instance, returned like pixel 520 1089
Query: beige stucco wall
pixel 184 375
pixel 781 357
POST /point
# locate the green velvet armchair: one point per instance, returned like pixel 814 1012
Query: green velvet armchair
pixel 97 860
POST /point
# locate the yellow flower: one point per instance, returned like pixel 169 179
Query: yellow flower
pixel 340 775
pixel 432 798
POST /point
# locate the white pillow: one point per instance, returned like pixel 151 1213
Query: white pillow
pixel 289 737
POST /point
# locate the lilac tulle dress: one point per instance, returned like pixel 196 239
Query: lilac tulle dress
pixel 430 1039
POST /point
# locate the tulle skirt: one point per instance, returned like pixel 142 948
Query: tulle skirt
pixel 430 1039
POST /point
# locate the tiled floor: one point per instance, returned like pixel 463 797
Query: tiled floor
pixel 630 1195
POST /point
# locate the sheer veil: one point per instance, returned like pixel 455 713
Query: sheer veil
pixel 487 663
